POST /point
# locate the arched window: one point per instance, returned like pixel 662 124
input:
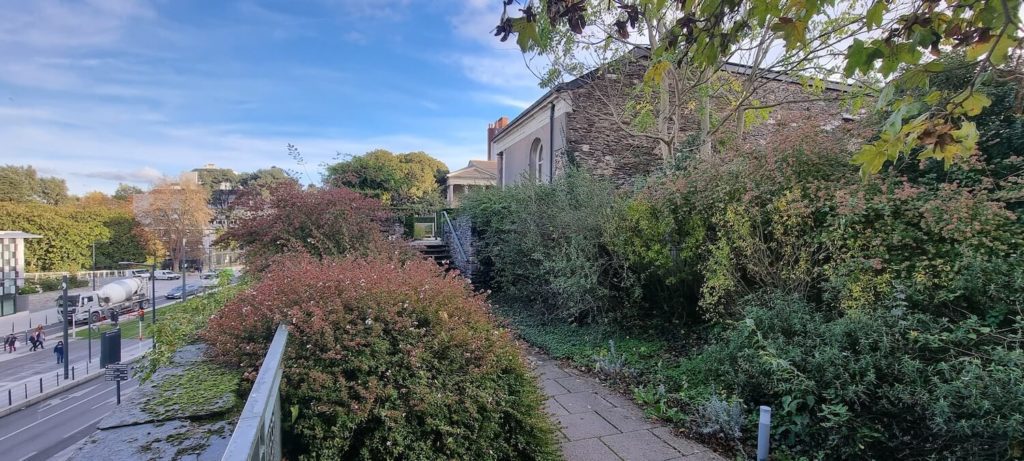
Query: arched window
pixel 537 160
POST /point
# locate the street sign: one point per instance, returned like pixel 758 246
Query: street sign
pixel 116 372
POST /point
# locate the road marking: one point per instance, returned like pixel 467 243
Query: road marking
pixel 48 417
pixel 30 455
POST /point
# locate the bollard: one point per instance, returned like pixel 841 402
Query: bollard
pixel 40 384
pixel 10 400
pixel 26 391
pixel 72 373
pixel 764 426
pixel 58 379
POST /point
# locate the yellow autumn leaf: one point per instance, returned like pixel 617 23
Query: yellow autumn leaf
pixel 656 73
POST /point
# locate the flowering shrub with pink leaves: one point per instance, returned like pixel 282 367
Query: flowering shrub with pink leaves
pixel 386 360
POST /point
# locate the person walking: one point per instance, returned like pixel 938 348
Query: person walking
pixel 12 343
pixel 32 340
pixel 58 350
pixel 40 337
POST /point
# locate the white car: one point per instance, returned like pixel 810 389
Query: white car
pixel 166 275
pixel 140 273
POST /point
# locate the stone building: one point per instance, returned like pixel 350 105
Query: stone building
pixel 582 121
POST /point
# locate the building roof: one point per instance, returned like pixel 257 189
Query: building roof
pixel 18 235
pixel 639 52
pixel 476 170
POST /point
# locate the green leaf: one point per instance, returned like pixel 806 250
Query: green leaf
pixel 875 13
pixel 968 102
pixel 526 34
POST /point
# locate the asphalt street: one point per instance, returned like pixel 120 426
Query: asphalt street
pixel 40 431
pixel 27 364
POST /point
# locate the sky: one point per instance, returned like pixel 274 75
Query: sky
pixel 106 91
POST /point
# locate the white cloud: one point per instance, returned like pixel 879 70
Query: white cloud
pixel 58 24
pixel 146 175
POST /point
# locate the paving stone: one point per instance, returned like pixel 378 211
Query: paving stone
pixel 579 384
pixel 588 450
pixel 616 399
pixel 549 371
pixel 640 446
pixel 552 388
pixel 625 419
pixel 684 446
pixel 582 402
pixel 554 408
pixel 585 425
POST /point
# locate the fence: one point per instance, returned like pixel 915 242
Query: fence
pixel 25 390
pixel 258 433
pixel 36 276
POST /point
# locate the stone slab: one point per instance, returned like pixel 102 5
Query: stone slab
pixel 582 402
pixel 552 388
pixel 584 426
pixel 554 408
pixel 625 419
pixel 640 446
pixel 579 384
pixel 588 450
pixel 684 446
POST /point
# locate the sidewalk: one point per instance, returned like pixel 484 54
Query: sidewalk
pixel 598 424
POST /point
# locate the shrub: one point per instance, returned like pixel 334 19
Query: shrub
pixel 332 221
pixel 29 289
pixel 544 245
pixel 386 361
pixel 875 383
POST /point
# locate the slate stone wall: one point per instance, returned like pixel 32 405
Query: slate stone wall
pixel 603 147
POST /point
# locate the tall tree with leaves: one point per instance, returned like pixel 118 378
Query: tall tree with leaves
pixel 868 41
pixel 396 179
pixel 177 215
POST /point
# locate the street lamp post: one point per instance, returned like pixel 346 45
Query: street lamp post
pixel 93 267
pixel 181 262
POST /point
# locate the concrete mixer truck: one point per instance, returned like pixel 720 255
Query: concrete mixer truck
pixel 123 296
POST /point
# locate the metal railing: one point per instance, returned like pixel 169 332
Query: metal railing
pixel 258 433
pixel 36 276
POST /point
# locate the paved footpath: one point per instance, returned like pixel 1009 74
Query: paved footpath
pixel 599 424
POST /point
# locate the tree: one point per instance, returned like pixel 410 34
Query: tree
pixel 212 178
pixel 67 235
pixel 125 192
pixel 322 222
pixel 864 41
pixel 264 179
pixel 52 191
pixel 395 179
pixel 23 184
pixel 176 215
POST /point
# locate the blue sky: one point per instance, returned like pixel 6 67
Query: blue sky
pixel 108 91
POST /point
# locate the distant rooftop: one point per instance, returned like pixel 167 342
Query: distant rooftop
pixel 18 235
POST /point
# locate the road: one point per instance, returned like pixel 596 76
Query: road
pixel 40 431
pixel 26 364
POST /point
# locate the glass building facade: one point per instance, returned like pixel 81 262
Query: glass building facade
pixel 12 269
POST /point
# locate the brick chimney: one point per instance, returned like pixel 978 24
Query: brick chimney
pixel 492 131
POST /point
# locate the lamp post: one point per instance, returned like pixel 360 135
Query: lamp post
pixel 181 262
pixel 93 268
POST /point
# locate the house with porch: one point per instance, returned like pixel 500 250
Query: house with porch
pixel 581 121
pixel 479 174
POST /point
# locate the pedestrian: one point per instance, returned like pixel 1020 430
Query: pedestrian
pixel 40 337
pixel 12 343
pixel 58 350
pixel 32 340
pixel 142 313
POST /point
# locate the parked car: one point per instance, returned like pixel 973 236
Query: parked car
pixel 140 273
pixel 191 289
pixel 209 279
pixel 166 275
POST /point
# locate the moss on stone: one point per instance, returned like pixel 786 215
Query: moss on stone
pixel 199 391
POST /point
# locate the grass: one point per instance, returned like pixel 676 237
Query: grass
pixel 130 326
